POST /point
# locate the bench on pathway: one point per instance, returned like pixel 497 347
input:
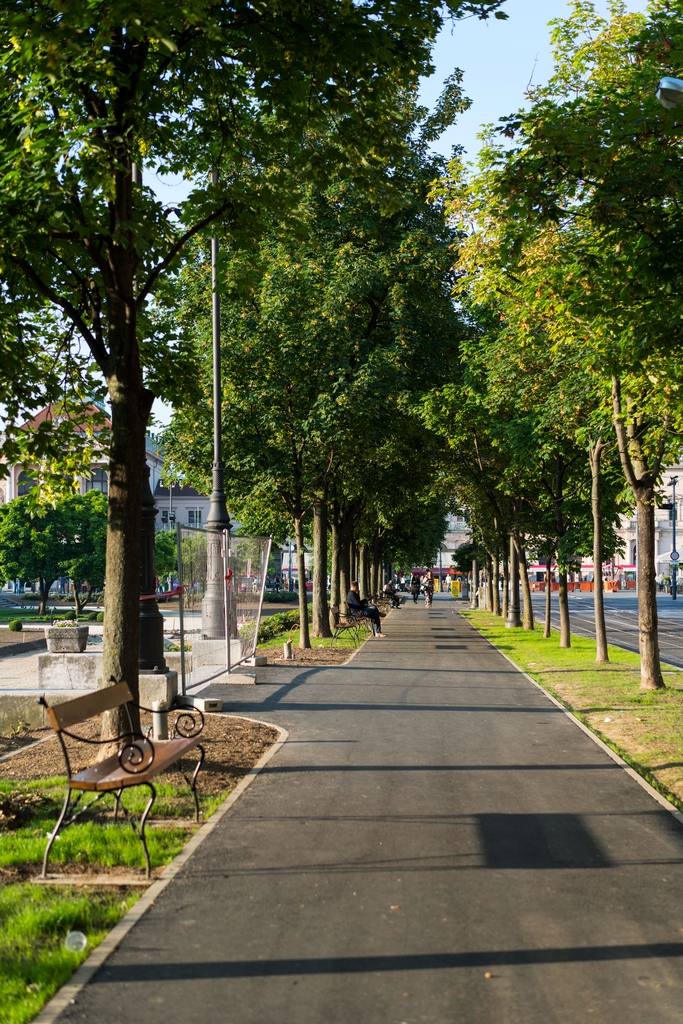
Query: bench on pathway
pixel 138 761
pixel 351 623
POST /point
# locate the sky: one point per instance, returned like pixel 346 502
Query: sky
pixel 499 59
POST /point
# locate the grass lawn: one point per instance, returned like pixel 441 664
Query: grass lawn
pixel 645 727
pixel 35 920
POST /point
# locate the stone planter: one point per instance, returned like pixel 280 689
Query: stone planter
pixel 66 639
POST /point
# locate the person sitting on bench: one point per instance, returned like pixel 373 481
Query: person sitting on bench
pixel 362 608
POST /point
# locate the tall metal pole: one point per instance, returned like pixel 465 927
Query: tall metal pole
pixel 674 571
pixel 213 612
pixel 290 581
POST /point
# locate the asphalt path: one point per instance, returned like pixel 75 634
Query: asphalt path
pixel 437 843
pixel 621 620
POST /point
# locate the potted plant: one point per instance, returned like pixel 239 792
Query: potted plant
pixel 66 638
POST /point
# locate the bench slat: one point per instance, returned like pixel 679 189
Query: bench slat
pixel 73 712
pixel 108 774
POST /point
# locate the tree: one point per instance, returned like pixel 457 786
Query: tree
pixel 589 239
pixel 93 93
pixel 166 552
pixel 83 524
pixel 331 332
pixel 32 544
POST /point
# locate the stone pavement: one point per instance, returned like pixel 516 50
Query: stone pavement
pixel 437 843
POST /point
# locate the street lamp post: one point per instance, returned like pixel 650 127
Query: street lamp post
pixel 213 614
pixel 674 553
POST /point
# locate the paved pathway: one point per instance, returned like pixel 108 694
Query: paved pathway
pixel 433 819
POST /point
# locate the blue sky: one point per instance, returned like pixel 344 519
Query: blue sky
pixel 499 59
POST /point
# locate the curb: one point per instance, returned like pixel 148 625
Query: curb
pixel 66 995
pixel 643 783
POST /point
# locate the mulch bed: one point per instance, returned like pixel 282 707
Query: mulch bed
pixel 233 746
pixel 314 656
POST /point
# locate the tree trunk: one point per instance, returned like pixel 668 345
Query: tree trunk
pixel 376 563
pixel 78 603
pixel 474 594
pixel 321 612
pixel 344 568
pixel 563 601
pixel 44 592
pixel 353 555
pixel 130 408
pixel 650 669
pixel 335 599
pixel 528 608
pixel 489 583
pixel 363 571
pixel 496 580
pixel 642 473
pixel 506 583
pixel 595 456
pixel 548 595
pixel 304 637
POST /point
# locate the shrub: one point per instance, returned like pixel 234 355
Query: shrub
pixel 15 625
pixel 282 597
pixel 69 616
pixel 100 617
pixel 92 616
pixel 282 622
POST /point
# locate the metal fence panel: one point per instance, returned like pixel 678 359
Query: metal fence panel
pixel 222 580
pixel 247 568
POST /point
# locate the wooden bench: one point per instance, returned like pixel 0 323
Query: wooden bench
pixel 137 762
pixel 350 623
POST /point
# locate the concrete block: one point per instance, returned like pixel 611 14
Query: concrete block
pixel 66 639
pixel 17 709
pixel 158 686
pixel 69 671
pixel 173 660
pixel 212 652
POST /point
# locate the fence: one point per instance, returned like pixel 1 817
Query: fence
pixel 222 580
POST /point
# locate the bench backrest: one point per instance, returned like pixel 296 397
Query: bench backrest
pixel 73 712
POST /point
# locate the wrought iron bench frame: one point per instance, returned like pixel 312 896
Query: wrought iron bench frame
pixel 138 760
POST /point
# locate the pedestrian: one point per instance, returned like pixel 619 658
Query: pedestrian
pixel 415 586
pixel 429 588
pixel 368 611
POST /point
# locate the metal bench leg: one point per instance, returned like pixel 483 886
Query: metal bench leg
pixel 140 831
pixel 117 803
pixel 192 783
pixel 53 834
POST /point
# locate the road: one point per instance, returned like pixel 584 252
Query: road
pixel 621 619
pixel 436 843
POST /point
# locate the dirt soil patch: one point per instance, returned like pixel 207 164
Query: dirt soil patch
pixel 314 656
pixel 233 746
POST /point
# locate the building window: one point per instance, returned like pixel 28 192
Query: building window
pixel 194 516
pixel 25 483
pixel 98 481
